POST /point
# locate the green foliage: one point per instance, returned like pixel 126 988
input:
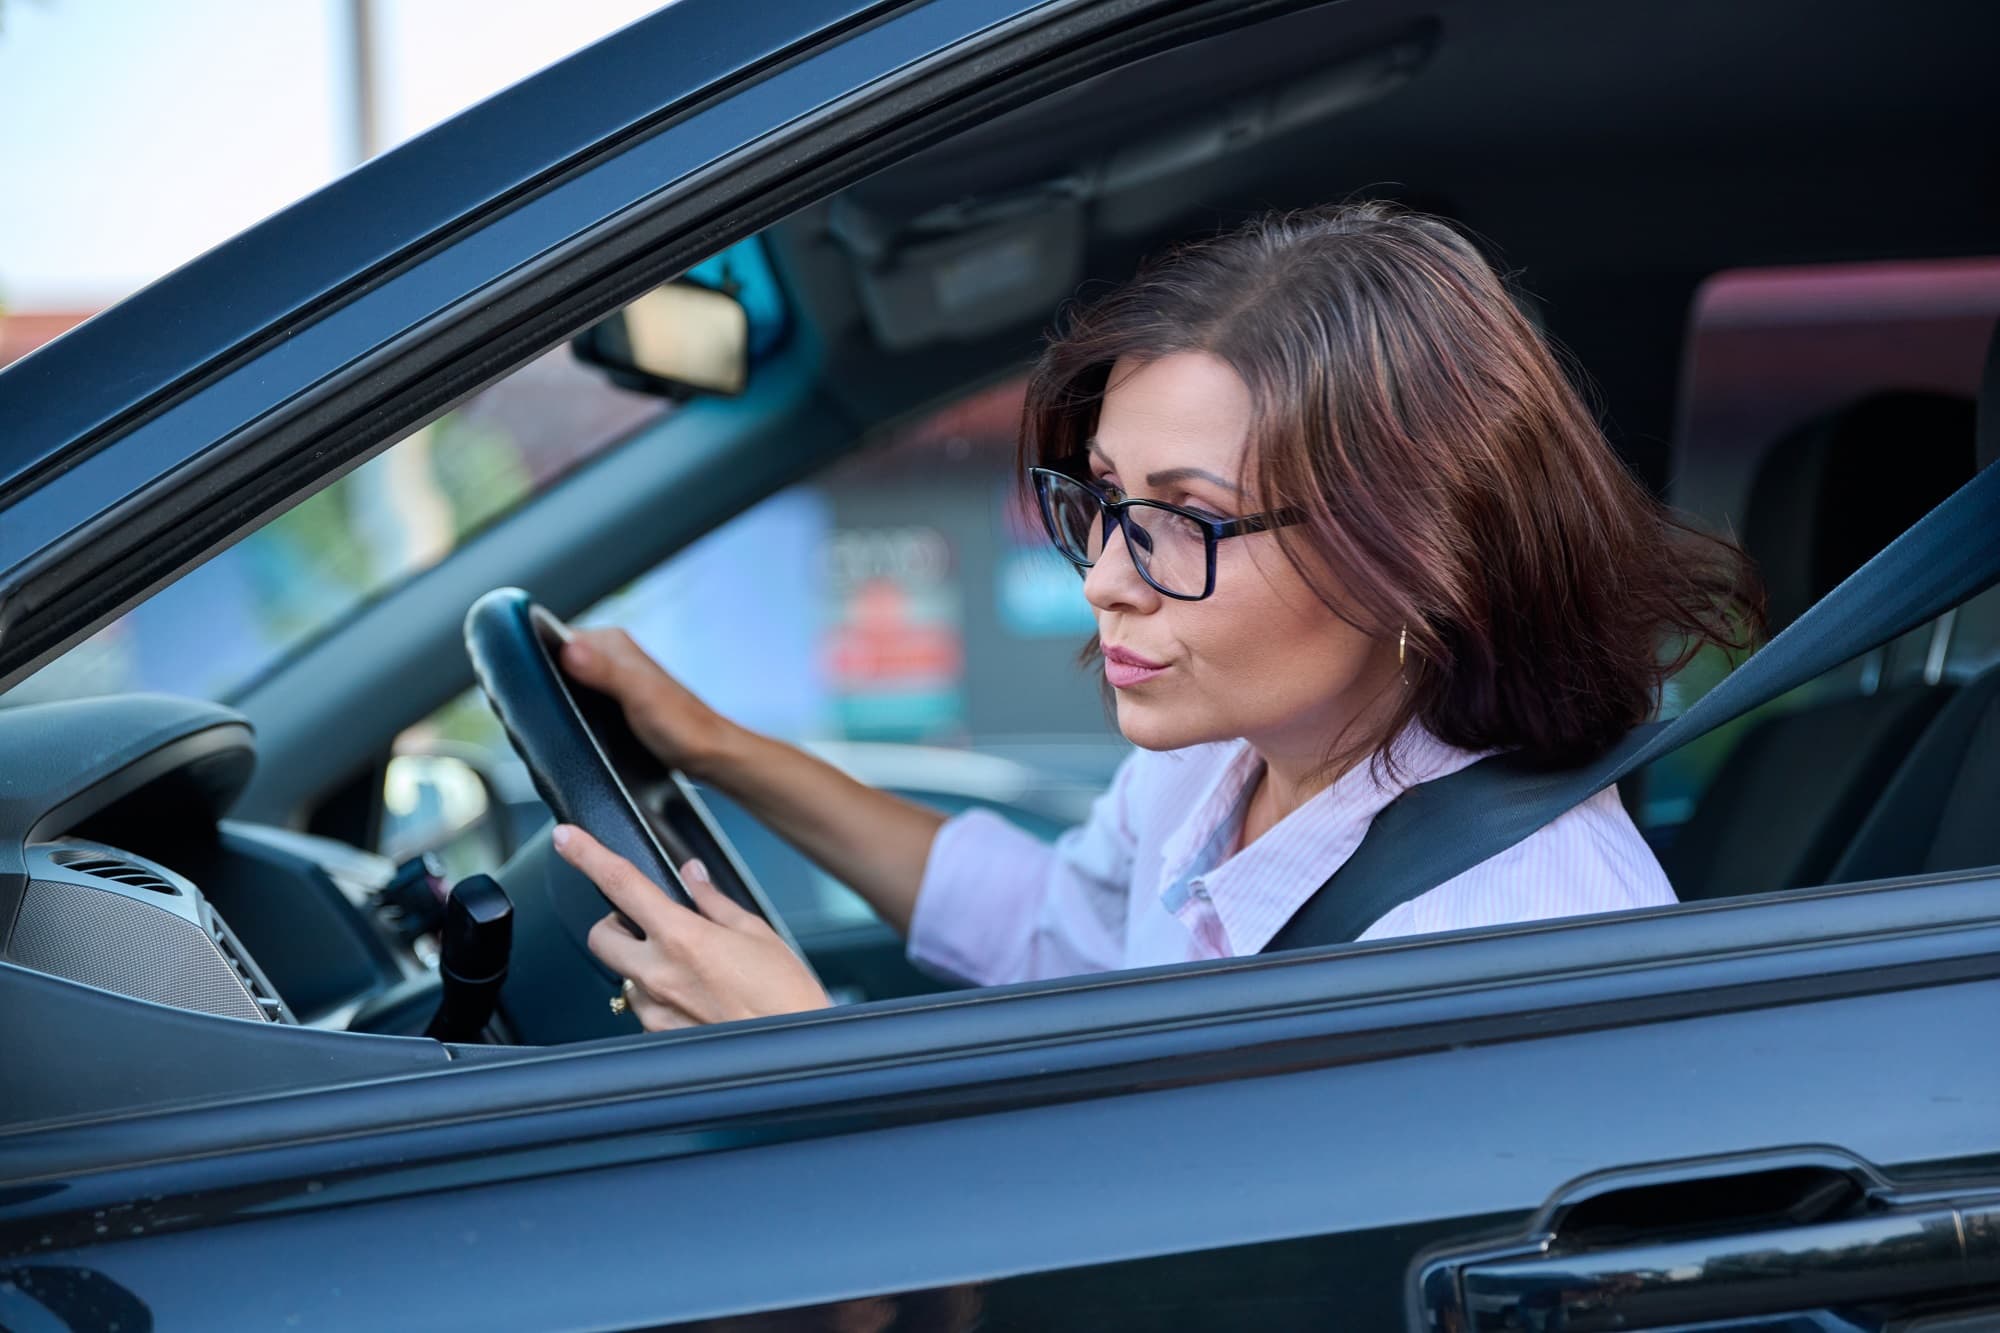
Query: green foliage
pixel 479 469
pixel 1678 779
pixel 318 557
pixel 322 531
pixel 469 720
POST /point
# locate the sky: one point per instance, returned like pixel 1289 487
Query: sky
pixel 135 135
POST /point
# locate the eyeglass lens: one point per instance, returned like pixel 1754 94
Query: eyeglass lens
pixel 1170 548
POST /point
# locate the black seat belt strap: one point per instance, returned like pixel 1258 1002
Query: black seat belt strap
pixel 1437 830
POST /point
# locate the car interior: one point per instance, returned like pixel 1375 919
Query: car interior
pixel 1779 294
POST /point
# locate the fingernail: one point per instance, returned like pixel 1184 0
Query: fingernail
pixel 696 870
pixel 562 836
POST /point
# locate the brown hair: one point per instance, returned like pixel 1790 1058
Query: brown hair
pixel 1448 469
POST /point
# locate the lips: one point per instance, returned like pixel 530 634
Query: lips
pixel 1125 668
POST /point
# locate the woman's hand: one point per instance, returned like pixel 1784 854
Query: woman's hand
pixel 870 840
pixel 711 966
pixel 680 730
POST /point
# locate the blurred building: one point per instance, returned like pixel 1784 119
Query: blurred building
pixel 21 332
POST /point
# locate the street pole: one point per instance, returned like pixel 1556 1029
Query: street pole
pixel 365 129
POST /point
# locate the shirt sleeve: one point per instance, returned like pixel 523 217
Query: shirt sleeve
pixel 998 904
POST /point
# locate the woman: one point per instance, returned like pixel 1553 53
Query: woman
pixel 1346 527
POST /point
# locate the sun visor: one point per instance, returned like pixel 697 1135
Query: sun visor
pixel 972 278
pixel 936 260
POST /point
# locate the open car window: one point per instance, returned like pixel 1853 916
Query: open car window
pixel 229 623
pixel 886 608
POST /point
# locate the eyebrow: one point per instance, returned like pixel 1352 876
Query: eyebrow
pixel 1171 475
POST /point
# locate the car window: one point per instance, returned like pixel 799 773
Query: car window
pixel 227 623
pixel 1771 351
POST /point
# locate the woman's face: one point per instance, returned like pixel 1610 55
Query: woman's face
pixel 1262 657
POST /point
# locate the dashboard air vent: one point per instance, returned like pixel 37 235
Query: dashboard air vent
pixel 112 868
pixel 260 990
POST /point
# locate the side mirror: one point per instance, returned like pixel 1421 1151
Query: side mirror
pixel 676 341
pixel 441 803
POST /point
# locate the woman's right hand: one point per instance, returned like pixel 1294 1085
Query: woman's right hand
pixel 667 717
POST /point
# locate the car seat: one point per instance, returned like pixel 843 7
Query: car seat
pixel 1941 810
pixel 1784 805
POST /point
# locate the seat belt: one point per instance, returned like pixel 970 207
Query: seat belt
pixel 1440 829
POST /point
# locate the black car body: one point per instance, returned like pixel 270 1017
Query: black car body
pixel 1773 1109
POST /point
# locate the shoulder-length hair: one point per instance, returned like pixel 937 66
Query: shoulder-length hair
pixel 1456 488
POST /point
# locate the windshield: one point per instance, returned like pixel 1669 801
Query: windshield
pixel 236 617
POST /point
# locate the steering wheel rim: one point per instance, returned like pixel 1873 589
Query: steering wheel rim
pixel 589 768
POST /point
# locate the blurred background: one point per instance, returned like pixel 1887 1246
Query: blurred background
pixel 128 149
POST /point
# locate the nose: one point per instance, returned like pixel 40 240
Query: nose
pixel 1113 583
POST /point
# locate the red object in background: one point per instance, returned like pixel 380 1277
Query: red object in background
pixel 880 645
pixel 1772 348
pixel 21 332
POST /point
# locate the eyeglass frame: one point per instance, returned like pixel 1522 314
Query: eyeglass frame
pixel 1213 530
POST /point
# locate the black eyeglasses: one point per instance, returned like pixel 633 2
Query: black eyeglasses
pixel 1172 548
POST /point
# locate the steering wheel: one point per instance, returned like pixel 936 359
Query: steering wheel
pixel 589 769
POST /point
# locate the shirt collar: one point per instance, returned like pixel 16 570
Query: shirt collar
pixel 1257 890
pixel 1213 804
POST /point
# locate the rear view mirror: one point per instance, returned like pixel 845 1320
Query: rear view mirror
pixel 676 341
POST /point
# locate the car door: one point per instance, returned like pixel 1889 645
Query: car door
pixel 1727 1111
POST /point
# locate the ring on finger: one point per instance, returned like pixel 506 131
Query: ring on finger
pixel 622 1001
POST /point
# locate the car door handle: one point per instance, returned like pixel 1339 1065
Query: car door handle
pixel 1877 1253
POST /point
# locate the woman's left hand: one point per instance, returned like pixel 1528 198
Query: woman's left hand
pixel 720 963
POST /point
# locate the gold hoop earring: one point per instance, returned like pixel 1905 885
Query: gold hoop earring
pixel 1403 653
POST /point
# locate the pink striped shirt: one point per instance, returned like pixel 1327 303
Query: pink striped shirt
pixel 1146 879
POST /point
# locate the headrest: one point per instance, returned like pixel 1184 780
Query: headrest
pixel 1837 489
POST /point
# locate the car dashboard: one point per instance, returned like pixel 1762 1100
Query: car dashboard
pixel 153 950
pixel 140 928
pixel 106 917
pixel 238 919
